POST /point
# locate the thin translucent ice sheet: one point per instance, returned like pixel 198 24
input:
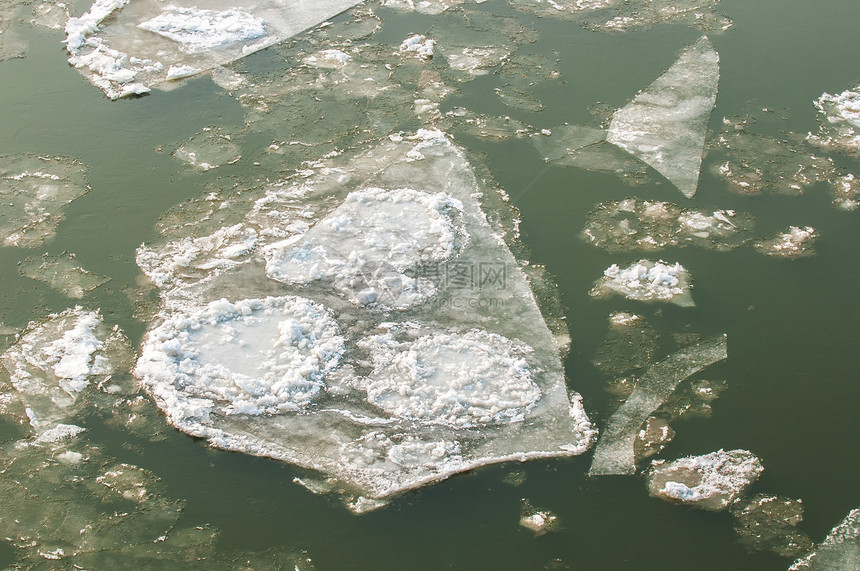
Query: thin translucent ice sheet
pixel 62 273
pixel 614 453
pixel 125 47
pixel 396 395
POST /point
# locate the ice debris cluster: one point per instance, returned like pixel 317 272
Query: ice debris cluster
pixel 646 280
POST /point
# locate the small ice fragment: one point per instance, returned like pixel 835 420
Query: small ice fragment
pixel 666 123
pixel 180 71
pixel 794 242
pixel 839 121
pixel 840 550
pixel 615 452
pixel 769 523
pixel 647 281
pixel 846 191
pixel 208 149
pixel 538 521
pixel 62 274
pixel 419 46
pixel 711 482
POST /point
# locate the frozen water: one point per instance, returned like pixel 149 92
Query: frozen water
pixel 634 224
pixel 652 438
pixel 586 148
pixel 666 123
pixel 422 6
pixel 840 550
pixel 621 15
pixel 208 149
pixel 125 47
pixel 50 15
pixel 62 273
pixel 846 192
pixel 485 126
pixel 711 482
pixel 255 356
pixel 646 281
pixel 34 189
pixel 12 45
pixel 419 46
pixel 521 73
pixel 614 453
pixel 538 521
pixel 628 345
pixel 54 363
pixel 415 393
pixel 793 242
pixel 756 163
pixel 365 246
pixel 769 523
pixel 839 119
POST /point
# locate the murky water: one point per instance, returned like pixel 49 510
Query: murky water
pixel 787 391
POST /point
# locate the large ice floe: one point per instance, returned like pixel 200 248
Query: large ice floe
pixel 664 126
pixel 647 281
pixel 840 550
pixel 34 189
pixel 125 47
pixel 374 327
pixel 767 522
pixel 615 451
pixel 711 481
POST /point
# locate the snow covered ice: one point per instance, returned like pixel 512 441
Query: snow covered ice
pixel 840 550
pixel 34 189
pixel 62 273
pixel 125 47
pixel 646 281
pixel 383 392
pixel 666 123
pixel 793 242
pixel 615 453
pixel 839 120
pixel 711 481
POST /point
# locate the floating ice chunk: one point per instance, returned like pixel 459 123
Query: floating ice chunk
pixel 12 45
pixel 769 523
pixel 365 245
pixel 839 119
pixel 419 46
pixel 56 360
pixel 200 30
pixel 459 380
pixel 34 189
pixel 62 273
pixel 58 433
pixel 615 449
pixel 846 192
pixel 629 344
pixel 50 15
pixel 538 521
pixel 794 242
pixel 634 224
pixel 208 149
pixel 666 123
pixel 330 58
pixel 180 71
pixel 485 126
pixel 647 281
pixel 711 482
pixel 351 429
pixel 254 356
pixel 586 148
pixel 135 48
pixel 422 6
pixel 840 550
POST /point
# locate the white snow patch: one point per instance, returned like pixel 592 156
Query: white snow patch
pixel 418 45
pixel 199 30
pixel 646 281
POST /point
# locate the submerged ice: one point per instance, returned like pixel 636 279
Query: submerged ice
pixel 62 273
pixel 383 386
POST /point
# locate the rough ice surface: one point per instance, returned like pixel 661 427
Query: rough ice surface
pixel 422 6
pixel 846 192
pixel 253 357
pixel 538 521
pixel 646 280
pixel 367 244
pixel 840 550
pixel 208 149
pixel 666 123
pixel 463 381
pixel 50 15
pixel 62 273
pixel 769 523
pixel 710 482
pixel 57 363
pixel 629 344
pixel 634 224
pixel 793 242
pixel 419 46
pixel 839 120
pixel 125 47
pixel 614 453
pixel 484 126
pixel 471 376
pixel 34 189
pixel 620 16
pixel 756 163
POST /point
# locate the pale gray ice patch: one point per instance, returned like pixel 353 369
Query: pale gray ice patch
pixel 34 190
pixel 666 123
pixel 62 273
pixel 615 453
pixel 840 550
pixel 767 522
pixel 710 482
pixel 472 376
pixel 793 242
pixel 125 47
pixel 209 149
